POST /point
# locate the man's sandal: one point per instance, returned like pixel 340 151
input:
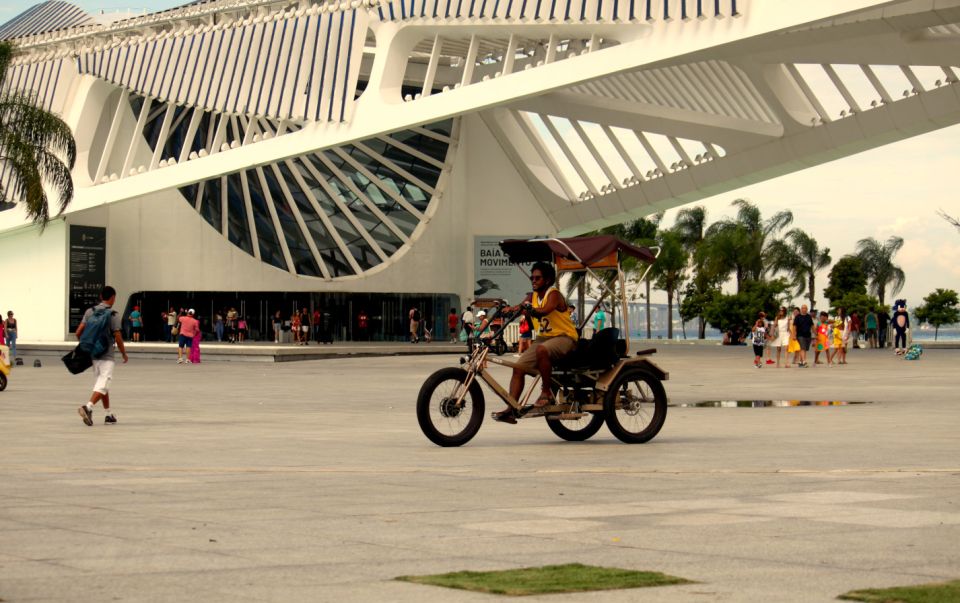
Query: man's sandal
pixel 505 416
pixel 546 399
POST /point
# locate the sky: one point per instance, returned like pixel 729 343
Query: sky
pixel 892 190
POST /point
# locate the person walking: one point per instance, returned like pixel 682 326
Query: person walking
pixel 855 330
pixel 870 321
pixel 189 327
pixel 277 324
pixel 195 348
pixel 803 324
pixel 466 322
pixel 295 327
pixel 232 316
pixel 104 365
pixel 10 331
pixel 883 328
pixel 136 324
pixel 782 335
pixel 824 337
pixel 453 321
pixel 414 316
pixel 844 321
pixel 315 323
pixel 305 327
pixel 218 325
pixel 759 336
pixel 169 321
pixel 599 320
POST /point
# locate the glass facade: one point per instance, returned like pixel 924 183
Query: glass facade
pixel 336 212
pixel 387 312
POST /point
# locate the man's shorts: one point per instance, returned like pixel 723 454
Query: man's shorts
pixel 103 369
pixel 557 347
pixel 184 341
pixel 804 343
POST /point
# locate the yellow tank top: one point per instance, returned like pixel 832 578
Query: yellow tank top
pixel 555 323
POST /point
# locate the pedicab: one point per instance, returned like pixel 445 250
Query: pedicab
pixel 599 382
pixel 4 366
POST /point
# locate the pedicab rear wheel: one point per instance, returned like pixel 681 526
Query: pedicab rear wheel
pixel 635 406
pixel 577 430
pixel 442 420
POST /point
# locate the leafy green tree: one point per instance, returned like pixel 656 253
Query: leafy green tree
pixel 741 245
pixel 800 256
pixel 37 150
pixel 940 308
pixel 668 270
pixel 735 314
pixel 861 303
pixel 846 276
pixel 878 263
pixel 694 304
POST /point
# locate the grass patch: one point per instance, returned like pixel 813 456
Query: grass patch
pixel 942 592
pixel 568 578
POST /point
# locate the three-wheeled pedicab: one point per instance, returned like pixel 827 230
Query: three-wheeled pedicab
pixel 599 381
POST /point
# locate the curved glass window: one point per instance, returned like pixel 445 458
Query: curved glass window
pixel 270 251
pixel 351 213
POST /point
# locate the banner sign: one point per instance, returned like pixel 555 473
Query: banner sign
pixel 495 276
pixel 88 269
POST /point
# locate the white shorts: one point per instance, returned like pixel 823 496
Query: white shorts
pixel 103 369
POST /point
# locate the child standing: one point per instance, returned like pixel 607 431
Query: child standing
pixel 824 335
pixel 759 336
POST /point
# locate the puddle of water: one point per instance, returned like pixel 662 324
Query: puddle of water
pixel 764 403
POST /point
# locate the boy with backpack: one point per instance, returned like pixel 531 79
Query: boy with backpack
pixel 99 330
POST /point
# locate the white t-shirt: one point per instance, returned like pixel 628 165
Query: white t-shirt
pixel 467 318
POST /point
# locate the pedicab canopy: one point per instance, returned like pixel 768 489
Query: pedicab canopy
pixel 602 251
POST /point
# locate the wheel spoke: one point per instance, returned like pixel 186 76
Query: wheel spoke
pixel 449 418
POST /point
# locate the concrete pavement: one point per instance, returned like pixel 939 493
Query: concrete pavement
pixel 311 481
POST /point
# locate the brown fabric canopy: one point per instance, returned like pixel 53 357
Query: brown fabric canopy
pixel 578 249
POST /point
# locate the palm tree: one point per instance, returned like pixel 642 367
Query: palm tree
pixel 878 263
pixel 800 256
pixel 37 150
pixel 691 226
pixel 742 245
pixel 668 270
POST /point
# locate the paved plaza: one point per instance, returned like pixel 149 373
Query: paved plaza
pixel 310 481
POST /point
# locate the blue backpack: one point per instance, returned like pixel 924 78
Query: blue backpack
pixel 96 337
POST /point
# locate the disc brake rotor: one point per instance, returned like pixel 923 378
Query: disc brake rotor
pixel 449 408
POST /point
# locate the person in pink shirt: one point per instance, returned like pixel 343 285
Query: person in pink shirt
pixel 195 350
pixel 189 327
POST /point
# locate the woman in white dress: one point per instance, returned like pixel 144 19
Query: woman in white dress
pixel 782 336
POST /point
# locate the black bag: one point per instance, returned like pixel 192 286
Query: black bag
pixel 416 315
pixel 77 361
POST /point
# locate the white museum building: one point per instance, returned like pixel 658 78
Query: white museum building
pixel 368 154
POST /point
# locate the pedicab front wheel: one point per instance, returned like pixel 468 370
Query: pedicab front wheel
pixel 3 382
pixel 442 419
pixel 635 406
